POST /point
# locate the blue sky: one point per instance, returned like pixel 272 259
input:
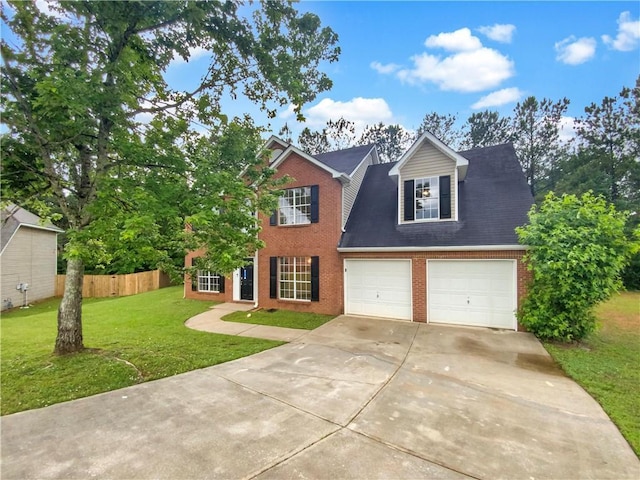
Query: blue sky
pixel 401 60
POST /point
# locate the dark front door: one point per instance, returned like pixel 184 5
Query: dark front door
pixel 246 282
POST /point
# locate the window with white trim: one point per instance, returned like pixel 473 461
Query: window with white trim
pixel 295 206
pixel 295 278
pixel 208 281
pixel 427 197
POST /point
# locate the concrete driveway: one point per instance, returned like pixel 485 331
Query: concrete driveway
pixel 356 398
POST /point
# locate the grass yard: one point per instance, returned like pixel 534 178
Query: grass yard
pixel 607 364
pixel 280 318
pixel 129 340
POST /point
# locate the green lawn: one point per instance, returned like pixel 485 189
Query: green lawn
pixel 607 364
pixel 280 318
pixel 129 340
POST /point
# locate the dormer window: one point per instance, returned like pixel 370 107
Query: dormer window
pixel 427 198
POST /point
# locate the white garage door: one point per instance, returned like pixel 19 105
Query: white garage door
pixel 378 288
pixel 472 292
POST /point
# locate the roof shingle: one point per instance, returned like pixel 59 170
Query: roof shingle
pixel 492 201
pixel 344 161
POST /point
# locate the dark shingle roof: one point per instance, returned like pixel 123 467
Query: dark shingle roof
pixel 492 201
pixel 344 161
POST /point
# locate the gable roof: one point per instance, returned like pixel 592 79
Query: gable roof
pixel 275 141
pixel 346 160
pixel 460 161
pixel 340 164
pixel 14 217
pixel 492 201
pixel 343 177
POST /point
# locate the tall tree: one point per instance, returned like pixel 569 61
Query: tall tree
pixel 341 133
pixel 314 142
pixel 536 128
pixel 485 129
pixel 336 135
pixel 392 140
pixel 609 141
pixel 73 85
pixel 443 127
pixel 285 133
pixel 227 188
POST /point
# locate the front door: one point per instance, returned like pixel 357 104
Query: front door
pixel 246 282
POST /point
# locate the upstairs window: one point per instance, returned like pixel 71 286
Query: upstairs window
pixel 295 206
pixel 427 198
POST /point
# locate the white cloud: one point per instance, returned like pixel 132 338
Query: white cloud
pixel 288 113
pixel 574 51
pixel 501 97
pixel 194 54
pixel 468 67
pixel 458 41
pixel 361 111
pixel 469 71
pixel 502 33
pixel 567 129
pixel 47 7
pixel 628 36
pixel 384 69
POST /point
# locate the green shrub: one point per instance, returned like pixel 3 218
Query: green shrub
pixel 578 249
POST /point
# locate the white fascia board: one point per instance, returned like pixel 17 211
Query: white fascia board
pixel 373 159
pixel 469 248
pixel 342 177
pixel 273 139
pixel 455 183
pixel 38 227
pixel 461 162
pixel 399 190
pixel 376 156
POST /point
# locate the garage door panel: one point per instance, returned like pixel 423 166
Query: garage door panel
pixel 380 288
pixel 471 292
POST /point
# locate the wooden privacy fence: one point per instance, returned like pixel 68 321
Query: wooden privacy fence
pixel 118 285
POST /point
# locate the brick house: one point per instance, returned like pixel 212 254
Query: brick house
pixel 429 238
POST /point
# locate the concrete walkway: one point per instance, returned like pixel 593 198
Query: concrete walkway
pixel 356 398
pixel 210 321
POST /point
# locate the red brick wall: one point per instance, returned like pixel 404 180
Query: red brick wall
pixel 227 296
pixel 419 271
pixel 321 239
pixel 316 239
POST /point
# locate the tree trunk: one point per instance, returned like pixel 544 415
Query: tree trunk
pixel 69 339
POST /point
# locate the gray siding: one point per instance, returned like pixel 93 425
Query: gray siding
pixel 350 192
pixel 428 161
pixel 30 257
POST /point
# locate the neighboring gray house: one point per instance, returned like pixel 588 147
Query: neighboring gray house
pixel 27 257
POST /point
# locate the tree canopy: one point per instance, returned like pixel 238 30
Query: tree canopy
pixel 75 82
